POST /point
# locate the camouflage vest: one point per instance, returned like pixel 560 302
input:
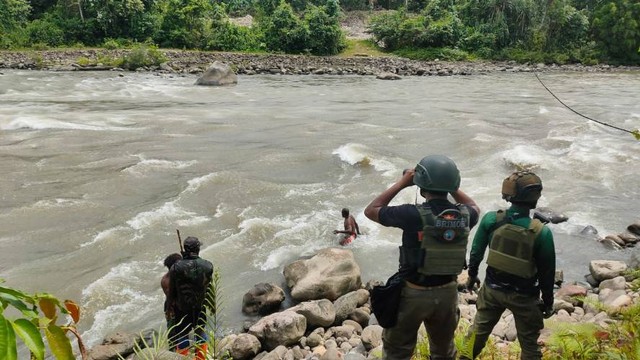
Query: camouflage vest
pixel 443 240
pixel 192 277
pixel 511 247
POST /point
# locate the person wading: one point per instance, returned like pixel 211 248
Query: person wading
pixel 432 254
pixel 351 228
pixel 189 281
pixel 521 264
pixel 169 308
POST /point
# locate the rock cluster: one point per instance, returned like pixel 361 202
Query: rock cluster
pixel 344 328
pixel 624 239
pixel 196 62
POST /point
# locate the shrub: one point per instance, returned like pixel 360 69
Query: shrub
pixel 45 32
pixel 142 56
pixel 230 37
pixel 385 28
pixel 327 37
pixel 38 314
pixel 111 44
pixel 284 31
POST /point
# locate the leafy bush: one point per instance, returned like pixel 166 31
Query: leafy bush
pixel 433 54
pixel 230 37
pixel 617 29
pixel 447 31
pixel 185 23
pixel 110 44
pixel 45 32
pixel 39 314
pixel 327 37
pixel 284 31
pixel 143 55
pixel 385 28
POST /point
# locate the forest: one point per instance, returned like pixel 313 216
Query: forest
pixel 550 31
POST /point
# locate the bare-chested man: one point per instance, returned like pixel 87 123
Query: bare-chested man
pixel 169 311
pixel 351 228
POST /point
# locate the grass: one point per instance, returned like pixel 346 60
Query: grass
pixel 362 48
pixel 580 341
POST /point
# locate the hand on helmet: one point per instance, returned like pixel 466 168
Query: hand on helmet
pixel 472 283
pixel 407 177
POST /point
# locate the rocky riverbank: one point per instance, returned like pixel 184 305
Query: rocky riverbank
pixel 333 319
pixel 195 62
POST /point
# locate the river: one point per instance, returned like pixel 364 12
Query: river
pixel 101 168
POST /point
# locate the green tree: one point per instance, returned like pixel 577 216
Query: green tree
pixel 616 27
pixel 284 31
pixel 226 36
pixel 13 14
pixel 324 26
pixel 563 27
pixel 116 18
pixel 185 23
pixel 510 21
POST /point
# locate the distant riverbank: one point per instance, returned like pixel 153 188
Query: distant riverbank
pixel 192 62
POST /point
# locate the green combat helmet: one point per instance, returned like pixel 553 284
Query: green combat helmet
pixel 523 187
pixel 437 173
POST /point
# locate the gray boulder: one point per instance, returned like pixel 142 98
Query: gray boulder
pixel 318 312
pixel 218 74
pixel 283 328
pixel 262 299
pixel 634 228
pixel 113 346
pixel 239 347
pixel 606 269
pixel 328 275
pixel 388 76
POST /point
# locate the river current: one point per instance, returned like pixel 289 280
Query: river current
pixel 99 169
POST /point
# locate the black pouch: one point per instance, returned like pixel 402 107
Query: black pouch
pixel 385 301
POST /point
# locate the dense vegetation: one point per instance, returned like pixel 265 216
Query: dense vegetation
pixel 560 31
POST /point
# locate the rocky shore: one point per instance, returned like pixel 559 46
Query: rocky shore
pixel 332 318
pixel 195 62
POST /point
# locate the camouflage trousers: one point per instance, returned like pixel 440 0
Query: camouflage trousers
pixel 437 308
pixel 526 313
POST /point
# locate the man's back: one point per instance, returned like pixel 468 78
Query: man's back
pixel 190 278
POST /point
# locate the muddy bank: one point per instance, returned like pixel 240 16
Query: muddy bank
pixel 193 62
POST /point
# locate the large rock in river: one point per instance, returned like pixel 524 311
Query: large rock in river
pixel 328 275
pixel 218 74
pixel 263 299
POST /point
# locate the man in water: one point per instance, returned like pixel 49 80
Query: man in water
pixel 169 308
pixel 189 281
pixel 433 252
pixel 521 265
pixel 351 228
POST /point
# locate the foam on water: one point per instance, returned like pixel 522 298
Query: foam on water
pixel 41 123
pixel 145 165
pixel 118 298
pixel 526 156
pixel 195 183
pixel 58 203
pixel 167 213
pixel 358 154
pixel 106 234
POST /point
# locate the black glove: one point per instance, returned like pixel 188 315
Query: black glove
pixel 472 281
pixel 547 310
